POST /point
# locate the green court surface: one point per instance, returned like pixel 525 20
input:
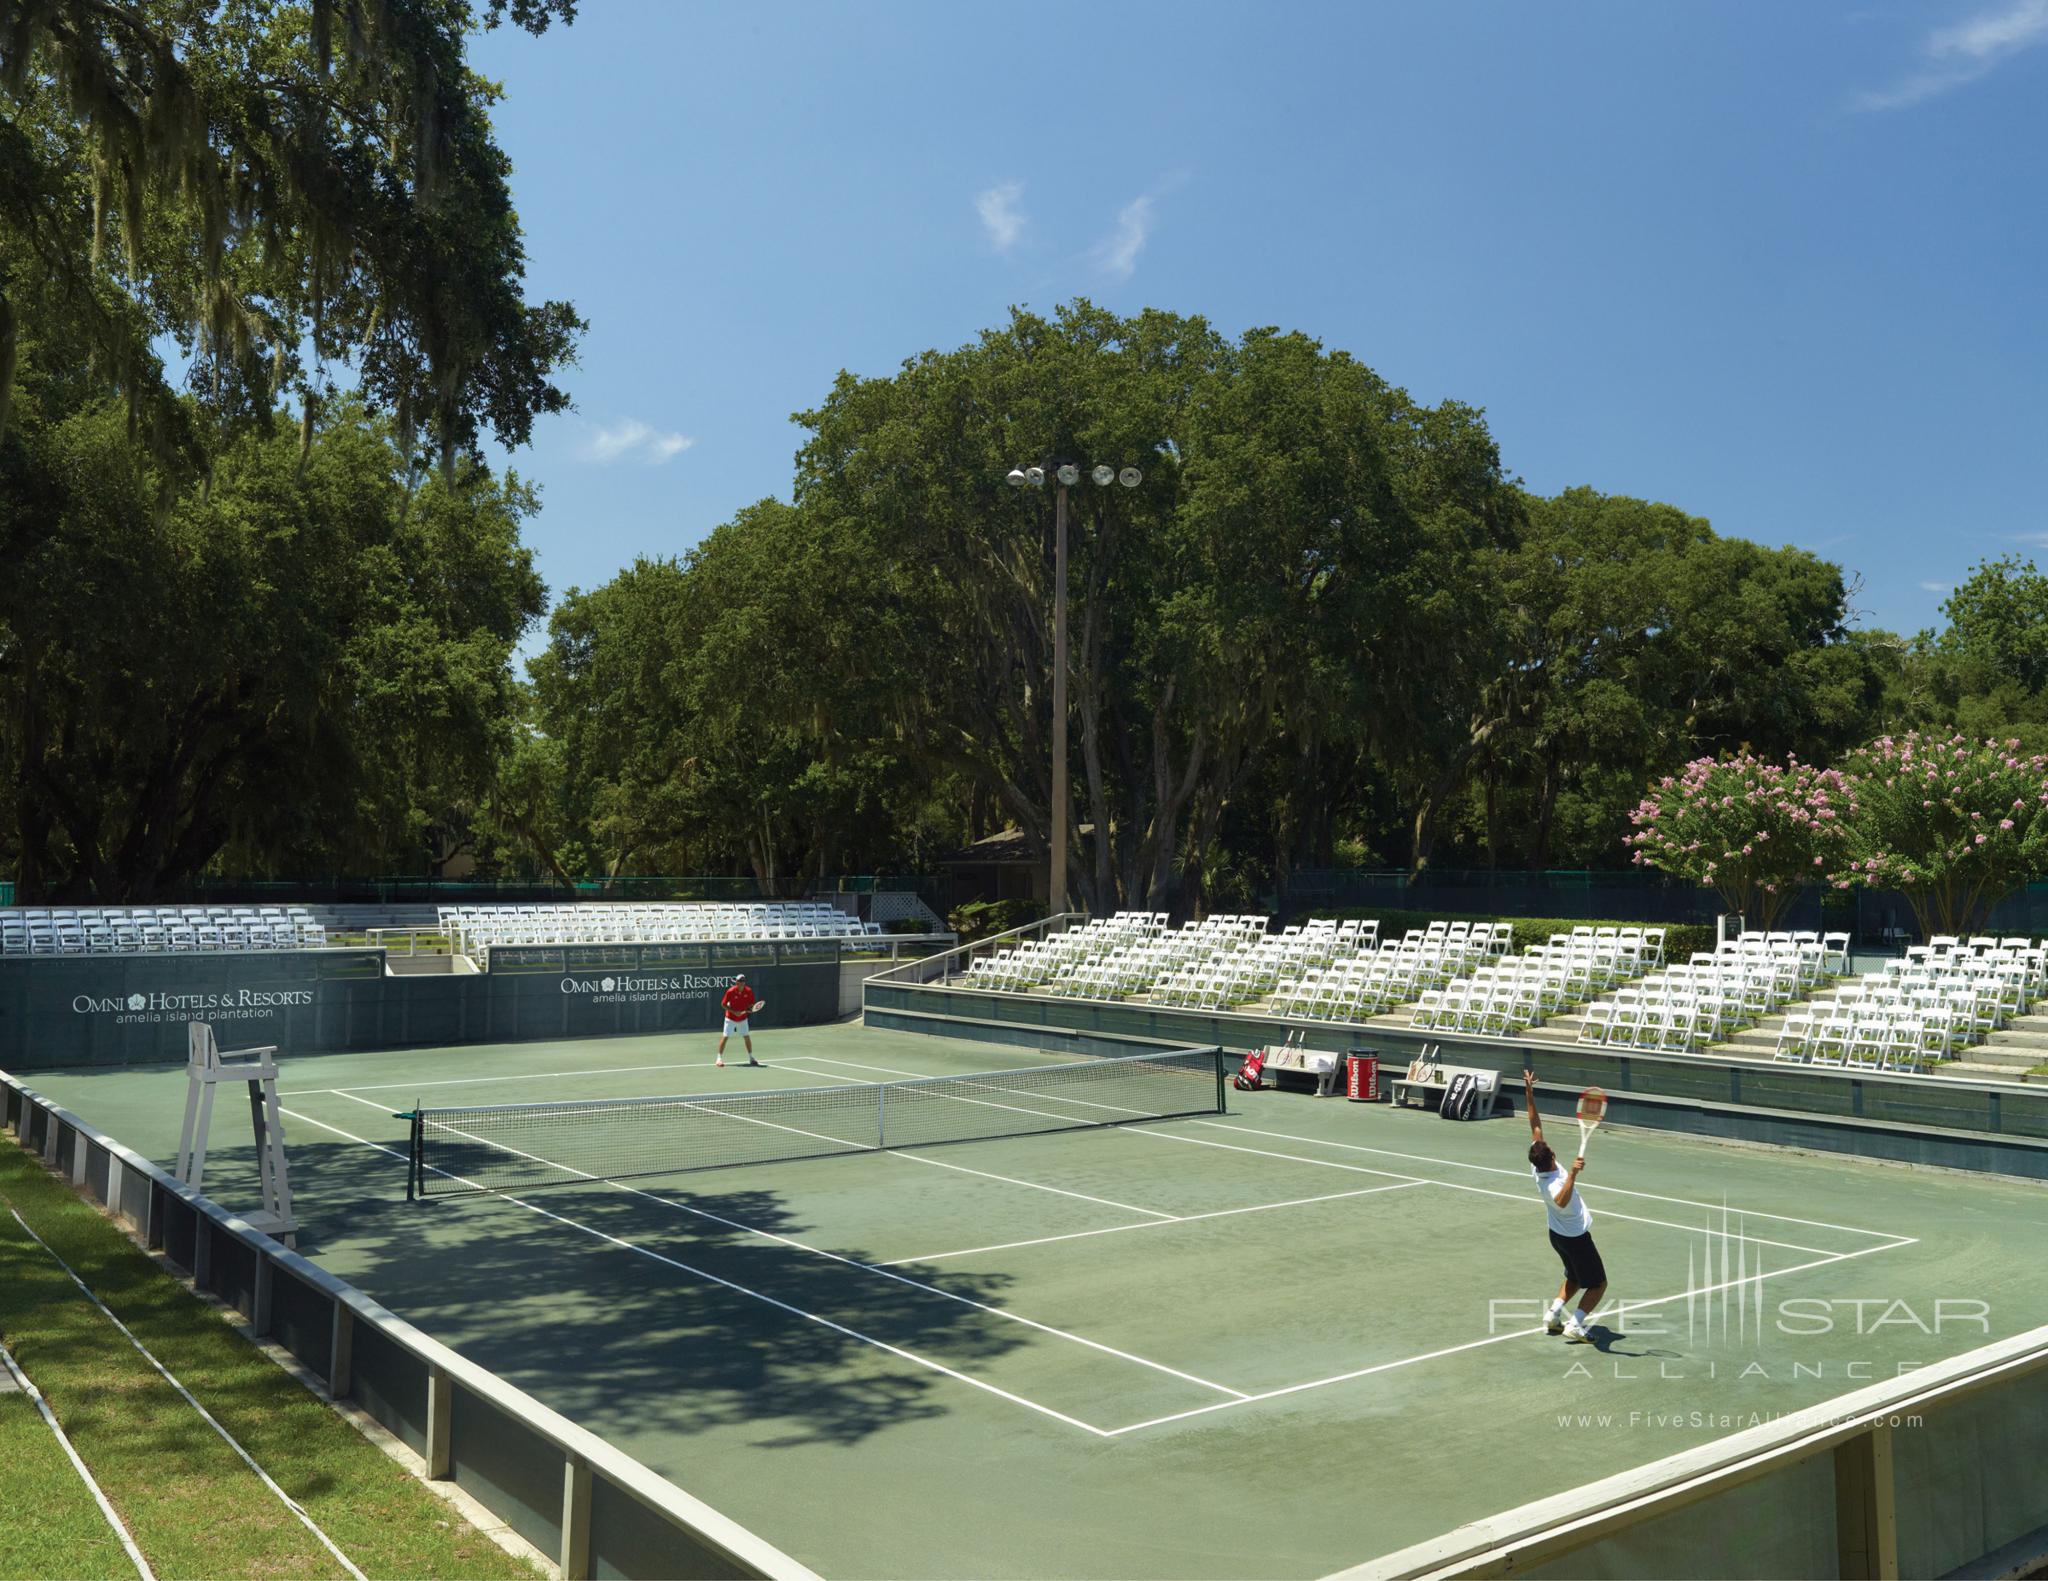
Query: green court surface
pixel 1271 1343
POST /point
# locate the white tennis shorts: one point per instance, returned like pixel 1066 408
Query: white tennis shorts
pixel 735 1028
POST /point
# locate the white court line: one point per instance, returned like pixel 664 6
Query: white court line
pixel 471 1081
pixel 1188 1218
pixel 1011 1180
pixel 1452 1185
pixel 1492 1339
pixel 1509 1196
pixel 1603 1189
pixel 676 1206
pixel 206 1416
pixel 107 1511
pixel 728 1284
pixel 700 1102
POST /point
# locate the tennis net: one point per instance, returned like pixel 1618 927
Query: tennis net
pixel 517 1147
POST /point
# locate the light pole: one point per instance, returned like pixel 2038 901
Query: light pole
pixel 1066 474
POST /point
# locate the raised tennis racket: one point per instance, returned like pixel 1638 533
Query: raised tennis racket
pixel 1592 1110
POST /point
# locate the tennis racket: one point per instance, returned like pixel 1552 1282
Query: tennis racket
pixel 1592 1110
pixel 756 1008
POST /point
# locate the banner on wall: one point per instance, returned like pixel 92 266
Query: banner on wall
pixel 133 1009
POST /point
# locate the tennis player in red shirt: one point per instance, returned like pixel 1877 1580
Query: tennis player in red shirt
pixel 739 1004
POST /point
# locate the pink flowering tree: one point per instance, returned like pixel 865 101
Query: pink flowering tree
pixel 1951 823
pixel 1753 829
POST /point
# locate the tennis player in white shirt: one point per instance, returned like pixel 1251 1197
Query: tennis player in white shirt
pixel 1571 1232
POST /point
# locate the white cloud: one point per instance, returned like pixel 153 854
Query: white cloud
pixel 1002 214
pixel 1964 51
pixel 629 439
pixel 1937 587
pixel 1118 251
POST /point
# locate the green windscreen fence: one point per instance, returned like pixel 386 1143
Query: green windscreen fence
pixel 133 1009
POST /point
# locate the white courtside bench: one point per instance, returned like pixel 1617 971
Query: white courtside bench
pixel 1438 1082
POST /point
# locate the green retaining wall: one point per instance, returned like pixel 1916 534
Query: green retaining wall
pixel 133 1009
pixel 1910 1119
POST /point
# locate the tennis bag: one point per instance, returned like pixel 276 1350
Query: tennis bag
pixel 1461 1098
pixel 1248 1078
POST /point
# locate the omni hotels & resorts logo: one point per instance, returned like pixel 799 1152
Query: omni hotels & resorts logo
pixel 647 987
pixel 227 1004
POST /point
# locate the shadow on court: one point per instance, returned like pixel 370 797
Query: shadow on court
pixel 624 1308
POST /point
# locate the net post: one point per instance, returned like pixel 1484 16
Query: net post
pixel 881 1115
pixel 1222 1092
pixel 415 1163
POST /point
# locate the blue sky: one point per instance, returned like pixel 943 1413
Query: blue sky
pixel 1782 265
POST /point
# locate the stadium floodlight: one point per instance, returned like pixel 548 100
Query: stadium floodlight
pixel 1067 474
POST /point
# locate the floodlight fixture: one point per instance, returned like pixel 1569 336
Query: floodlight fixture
pixel 1130 477
pixel 1016 479
pixel 1069 474
pixel 1035 476
pixel 1103 476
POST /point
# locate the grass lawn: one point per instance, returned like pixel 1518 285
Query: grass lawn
pixel 50 1523
pixel 194 1508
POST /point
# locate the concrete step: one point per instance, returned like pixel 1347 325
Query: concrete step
pixel 1971 1070
pixel 1996 1058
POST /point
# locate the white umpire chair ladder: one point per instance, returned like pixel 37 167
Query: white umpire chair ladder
pixel 206 1066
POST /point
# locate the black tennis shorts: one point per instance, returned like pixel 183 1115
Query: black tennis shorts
pixel 1581 1258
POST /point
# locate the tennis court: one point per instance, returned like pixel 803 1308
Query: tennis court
pixel 1275 1341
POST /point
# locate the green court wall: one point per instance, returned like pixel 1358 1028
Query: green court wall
pixel 133 1009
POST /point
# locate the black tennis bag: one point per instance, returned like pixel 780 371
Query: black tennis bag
pixel 1461 1098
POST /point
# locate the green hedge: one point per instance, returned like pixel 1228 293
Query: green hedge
pixel 1680 938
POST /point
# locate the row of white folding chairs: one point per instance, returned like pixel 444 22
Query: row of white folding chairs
pixel 1642 942
pixel 1834 947
pixel 1209 967
pixel 1113 976
pixel 1977 1008
pixel 1810 956
pixel 1368 985
pixel 1034 961
pixel 713 916
pixel 1341 993
pixel 1491 938
pixel 2029 969
pixel 1950 1022
pixel 1525 990
pixel 2005 989
pixel 1764 984
pixel 152 936
pixel 1677 1022
pixel 1498 1006
pixel 1892 1037
pixel 1599 966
